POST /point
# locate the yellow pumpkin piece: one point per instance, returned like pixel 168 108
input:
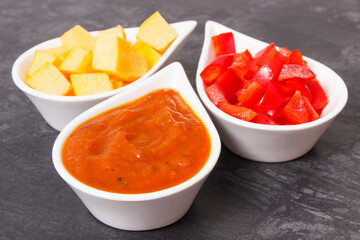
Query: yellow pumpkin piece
pixel 151 56
pixel 40 59
pixel 48 79
pixel 117 31
pixel 77 61
pixel 117 83
pixel 138 66
pixel 59 52
pixel 90 83
pixel 156 32
pixel 78 36
pixel 112 55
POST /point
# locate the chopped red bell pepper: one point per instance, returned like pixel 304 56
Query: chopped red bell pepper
pixel 274 87
pixel 297 58
pixel 216 67
pixel 215 93
pixel 264 119
pixel 265 55
pixel 240 64
pixel 272 99
pixel 319 99
pixel 229 83
pixel 312 112
pixel 295 111
pixel 279 118
pixel 223 43
pixel 250 93
pixel 239 112
pixel 270 71
pixel 291 85
pixel 253 69
pixel 289 71
pixel 285 52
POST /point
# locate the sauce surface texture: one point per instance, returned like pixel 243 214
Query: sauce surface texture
pixel 150 144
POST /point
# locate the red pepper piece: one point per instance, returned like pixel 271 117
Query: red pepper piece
pixel 239 112
pixel 295 111
pixel 223 43
pixel 216 67
pixel 215 93
pixel 265 55
pixel 272 99
pixel 297 58
pixel 253 69
pixel 291 85
pixel 252 91
pixel 319 99
pixel 240 64
pixel 289 71
pixel 229 83
pixel 312 112
pixel 285 52
pixel 264 119
pixel 270 71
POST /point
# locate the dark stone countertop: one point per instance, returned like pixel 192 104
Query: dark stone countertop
pixel 316 196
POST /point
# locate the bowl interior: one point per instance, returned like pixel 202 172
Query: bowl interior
pixel 332 83
pixel 173 76
pixel 22 64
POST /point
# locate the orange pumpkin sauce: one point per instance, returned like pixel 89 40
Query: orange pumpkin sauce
pixel 147 145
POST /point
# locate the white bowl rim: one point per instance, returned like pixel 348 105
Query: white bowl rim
pixel 264 127
pixel 191 24
pixel 203 173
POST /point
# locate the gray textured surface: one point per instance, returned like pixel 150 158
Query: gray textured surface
pixel 314 197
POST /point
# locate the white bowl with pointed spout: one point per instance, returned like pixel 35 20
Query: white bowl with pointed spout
pixel 269 143
pixel 59 110
pixel 149 210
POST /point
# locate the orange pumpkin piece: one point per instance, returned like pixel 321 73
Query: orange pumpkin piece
pixel 138 67
pixel 76 61
pixel 156 32
pixel 112 55
pixel 78 36
pixel 48 79
pixel 90 83
pixel 115 31
pixel 40 59
pixel 151 56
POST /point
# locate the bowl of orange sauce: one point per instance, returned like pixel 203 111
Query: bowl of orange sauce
pixel 138 159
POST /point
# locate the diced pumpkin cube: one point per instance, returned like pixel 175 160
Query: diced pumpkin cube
pixel 117 83
pixel 40 59
pixel 48 79
pixel 151 56
pixel 77 61
pixel 90 83
pixel 78 36
pixel 138 66
pixel 112 55
pixel 59 52
pixel 156 32
pixel 117 31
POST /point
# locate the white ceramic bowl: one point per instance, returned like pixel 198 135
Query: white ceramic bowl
pixel 150 210
pixel 59 110
pixel 267 143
